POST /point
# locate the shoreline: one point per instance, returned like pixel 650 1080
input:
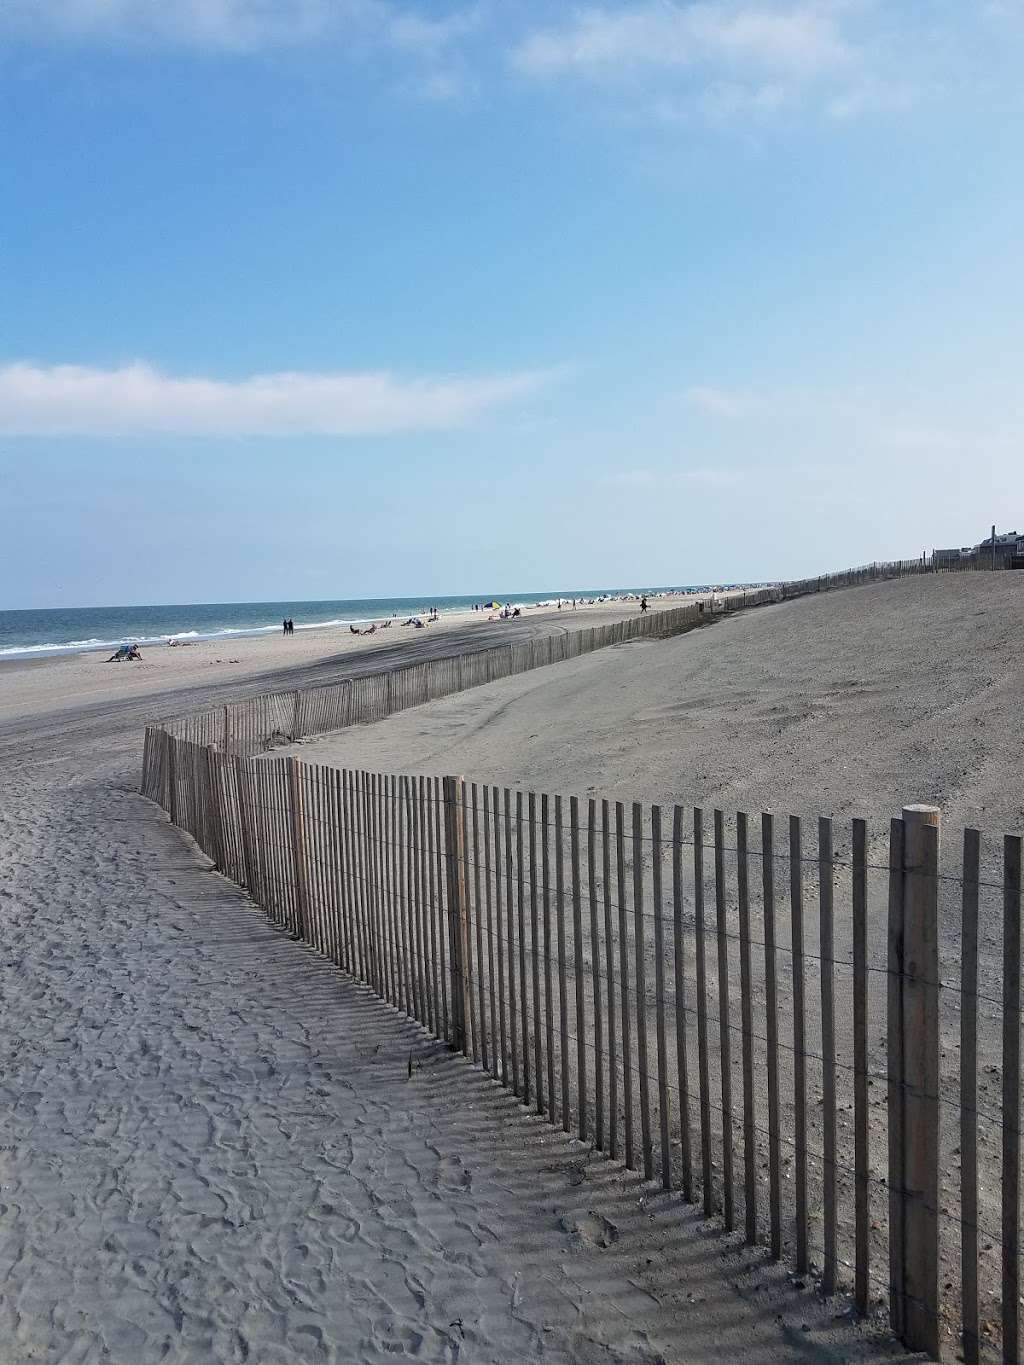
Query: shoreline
pixel 149 636
pixel 35 686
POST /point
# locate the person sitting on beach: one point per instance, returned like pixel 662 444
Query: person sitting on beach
pixel 354 630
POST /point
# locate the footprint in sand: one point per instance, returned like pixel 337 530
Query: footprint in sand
pixel 589 1229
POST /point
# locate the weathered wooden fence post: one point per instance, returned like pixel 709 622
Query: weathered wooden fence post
pixel 298 848
pixel 458 922
pixel 913 1034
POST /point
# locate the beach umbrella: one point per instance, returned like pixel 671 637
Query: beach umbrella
pixel 492 606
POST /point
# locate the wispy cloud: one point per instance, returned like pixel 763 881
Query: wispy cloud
pixel 137 399
pixel 234 26
pixel 602 42
pixel 721 58
pixel 776 404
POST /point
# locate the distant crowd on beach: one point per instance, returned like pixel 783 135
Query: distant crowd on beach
pixel 510 611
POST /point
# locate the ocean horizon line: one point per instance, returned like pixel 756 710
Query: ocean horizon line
pixel 27 632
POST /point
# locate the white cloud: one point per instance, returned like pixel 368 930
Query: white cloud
pixel 237 26
pixel 137 399
pixel 778 404
pixel 801 38
pixel 726 58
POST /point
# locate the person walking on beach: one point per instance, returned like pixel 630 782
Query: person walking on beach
pixel 643 604
pixel 284 626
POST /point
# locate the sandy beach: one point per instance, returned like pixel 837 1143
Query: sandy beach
pixel 849 703
pixel 215 1148
pixel 50 684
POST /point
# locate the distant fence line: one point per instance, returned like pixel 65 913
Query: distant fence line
pixel 654 980
pixel 259 723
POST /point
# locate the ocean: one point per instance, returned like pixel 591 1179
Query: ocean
pixel 70 630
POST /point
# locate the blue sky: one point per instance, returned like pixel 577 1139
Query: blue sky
pixel 331 298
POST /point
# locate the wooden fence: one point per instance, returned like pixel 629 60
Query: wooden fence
pixel 259 723
pixel 764 1019
pixel 810 1030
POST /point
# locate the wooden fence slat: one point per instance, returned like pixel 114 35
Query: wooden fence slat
pixel 563 1000
pixel 329 847
pixel 703 1064
pixel 488 874
pixel 724 1026
pixel 536 956
pixel 796 907
pixel 391 889
pixel 624 992
pixel 513 996
pixel 595 971
pixel 311 830
pixel 374 850
pixel 679 968
pixel 322 825
pixel 454 857
pixel 382 832
pixel 897 1304
pixel 524 999
pixel 412 959
pixel 406 996
pixel 609 949
pixel 771 1032
pixel 1011 1099
pixel 432 891
pixel 416 902
pixel 861 1153
pixel 480 1041
pixel 664 1116
pixel 549 1026
pixel 376 907
pixel 442 933
pixel 337 869
pixel 828 1052
pixel 578 977
pixel 969 1098
pixel 746 1031
pixel 424 903
pixel 276 813
pixel 358 882
pixel 415 959
pixel 499 938
pixel 640 966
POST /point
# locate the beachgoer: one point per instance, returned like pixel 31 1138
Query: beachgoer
pixel 643 604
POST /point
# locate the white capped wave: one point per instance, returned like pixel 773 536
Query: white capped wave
pixel 148 641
